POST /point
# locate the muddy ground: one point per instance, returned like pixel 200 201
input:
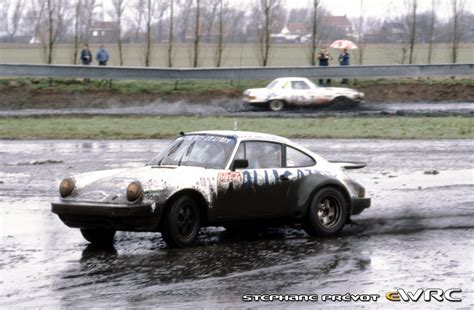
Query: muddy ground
pixel 25 96
pixel 417 234
pixel 239 108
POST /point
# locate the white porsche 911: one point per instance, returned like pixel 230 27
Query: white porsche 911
pixel 299 92
pixel 234 179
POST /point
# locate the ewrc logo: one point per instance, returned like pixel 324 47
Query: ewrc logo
pixel 428 295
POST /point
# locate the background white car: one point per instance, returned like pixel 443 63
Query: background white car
pixel 295 91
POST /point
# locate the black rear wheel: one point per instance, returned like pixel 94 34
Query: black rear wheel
pixel 327 213
pixel 181 223
pixel 99 236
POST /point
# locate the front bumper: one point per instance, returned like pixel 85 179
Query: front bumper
pixel 359 204
pixel 139 217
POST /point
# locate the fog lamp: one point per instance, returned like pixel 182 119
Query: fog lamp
pixel 134 191
pixel 66 187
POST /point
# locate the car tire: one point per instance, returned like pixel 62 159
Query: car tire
pixel 181 223
pixel 276 105
pixel 99 236
pixel 327 213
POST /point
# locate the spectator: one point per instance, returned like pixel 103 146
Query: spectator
pixel 344 61
pixel 102 56
pixel 86 55
pixel 324 58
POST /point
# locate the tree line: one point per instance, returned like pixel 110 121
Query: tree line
pixel 196 22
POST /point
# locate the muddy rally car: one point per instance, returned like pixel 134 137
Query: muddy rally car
pixel 214 178
pixel 299 92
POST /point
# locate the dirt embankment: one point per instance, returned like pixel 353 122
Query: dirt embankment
pixel 26 96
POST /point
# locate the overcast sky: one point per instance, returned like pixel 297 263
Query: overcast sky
pixel 380 8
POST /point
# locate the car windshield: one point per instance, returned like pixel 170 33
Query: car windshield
pixel 207 151
pixel 272 84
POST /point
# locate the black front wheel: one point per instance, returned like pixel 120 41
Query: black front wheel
pixel 327 213
pixel 99 236
pixel 181 223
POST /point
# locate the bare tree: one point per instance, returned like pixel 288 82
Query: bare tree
pixel 220 39
pixel 412 29
pixel 210 14
pixel 457 7
pixel 12 16
pixel 267 15
pixel 170 35
pixel 360 26
pixel 314 31
pixel 118 12
pixel 55 14
pixel 149 17
pixel 138 9
pixel 431 34
pixel 197 29
pixel 82 20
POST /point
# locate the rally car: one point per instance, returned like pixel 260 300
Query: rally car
pixel 299 92
pixel 233 179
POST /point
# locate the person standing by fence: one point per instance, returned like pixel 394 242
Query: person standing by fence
pixel 324 58
pixel 86 55
pixel 102 56
pixel 344 61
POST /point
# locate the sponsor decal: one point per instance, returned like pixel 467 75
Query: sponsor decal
pixel 227 177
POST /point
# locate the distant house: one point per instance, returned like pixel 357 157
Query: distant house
pixel 103 32
pixel 329 28
pixel 393 32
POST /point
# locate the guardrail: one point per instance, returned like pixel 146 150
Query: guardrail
pixel 246 73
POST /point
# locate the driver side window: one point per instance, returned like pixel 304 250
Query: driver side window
pixel 260 155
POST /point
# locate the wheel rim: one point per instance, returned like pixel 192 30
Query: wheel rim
pixel 276 105
pixel 185 220
pixel 329 211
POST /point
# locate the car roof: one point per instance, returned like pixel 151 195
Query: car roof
pixel 292 79
pixel 242 135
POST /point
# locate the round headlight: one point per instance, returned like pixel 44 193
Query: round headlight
pixel 134 191
pixel 66 187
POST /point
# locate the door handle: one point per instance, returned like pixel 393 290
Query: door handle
pixel 284 178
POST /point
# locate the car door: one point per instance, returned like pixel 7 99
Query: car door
pixel 300 92
pixel 258 191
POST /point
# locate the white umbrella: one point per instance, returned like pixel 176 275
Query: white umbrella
pixel 343 44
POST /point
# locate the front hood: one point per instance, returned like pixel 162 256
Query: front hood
pixel 110 186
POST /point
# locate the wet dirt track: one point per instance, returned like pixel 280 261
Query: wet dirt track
pixel 236 107
pixel 417 234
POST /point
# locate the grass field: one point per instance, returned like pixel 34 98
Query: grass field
pixel 235 55
pixel 108 127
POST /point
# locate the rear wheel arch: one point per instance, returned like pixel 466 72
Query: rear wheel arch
pixel 337 186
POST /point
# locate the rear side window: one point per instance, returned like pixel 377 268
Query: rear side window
pixel 295 158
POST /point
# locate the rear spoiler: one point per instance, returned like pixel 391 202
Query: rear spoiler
pixel 349 164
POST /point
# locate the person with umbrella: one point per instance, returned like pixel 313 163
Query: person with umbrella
pixel 344 56
pixel 344 61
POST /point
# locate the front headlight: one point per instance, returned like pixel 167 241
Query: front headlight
pixel 66 187
pixel 135 192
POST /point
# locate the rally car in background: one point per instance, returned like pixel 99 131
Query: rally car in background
pixel 214 178
pixel 299 92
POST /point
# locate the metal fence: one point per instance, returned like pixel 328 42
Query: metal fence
pixel 246 73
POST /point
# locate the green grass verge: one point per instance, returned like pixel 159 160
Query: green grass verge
pixel 165 88
pixel 154 127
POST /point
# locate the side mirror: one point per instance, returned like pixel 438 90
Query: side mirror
pixel 239 164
